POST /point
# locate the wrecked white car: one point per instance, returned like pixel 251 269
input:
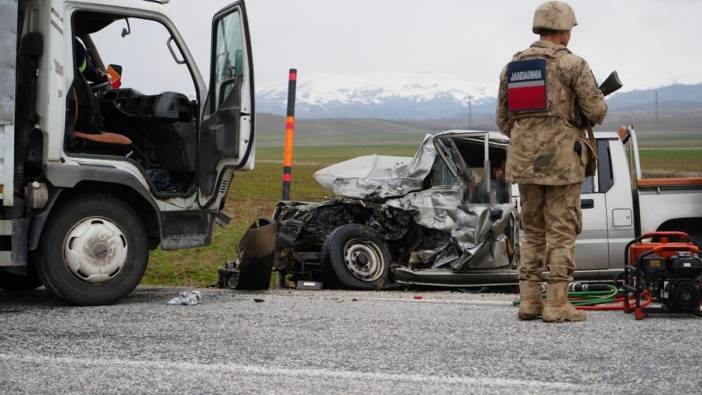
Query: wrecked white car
pixel 445 217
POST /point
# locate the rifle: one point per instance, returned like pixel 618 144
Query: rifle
pixel 610 85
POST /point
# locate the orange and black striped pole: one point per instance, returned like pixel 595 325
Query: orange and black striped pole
pixel 289 135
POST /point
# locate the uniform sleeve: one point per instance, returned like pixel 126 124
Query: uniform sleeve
pixel 590 98
pixel 501 111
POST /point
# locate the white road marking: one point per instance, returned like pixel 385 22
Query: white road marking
pixel 444 301
pixel 207 368
pixel 331 295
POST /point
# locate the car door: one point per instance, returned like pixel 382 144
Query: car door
pixel 226 140
pixel 592 249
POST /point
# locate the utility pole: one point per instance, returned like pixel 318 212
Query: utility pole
pixel 470 112
pixel 655 119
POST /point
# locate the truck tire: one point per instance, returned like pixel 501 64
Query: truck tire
pixel 16 282
pixel 357 257
pixel 93 251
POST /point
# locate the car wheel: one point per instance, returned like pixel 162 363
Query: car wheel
pixel 357 257
pixel 16 282
pixel 93 251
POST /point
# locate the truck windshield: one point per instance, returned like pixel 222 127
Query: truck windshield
pixel 144 55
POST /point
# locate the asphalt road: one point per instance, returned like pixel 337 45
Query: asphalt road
pixel 335 342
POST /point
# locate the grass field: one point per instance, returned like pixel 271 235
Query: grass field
pixel 671 161
pixel 254 194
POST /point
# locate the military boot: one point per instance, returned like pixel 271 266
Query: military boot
pixel 557 308
pixel 530 306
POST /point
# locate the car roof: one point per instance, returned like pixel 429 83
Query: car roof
pixel 477 133
pixel 499 136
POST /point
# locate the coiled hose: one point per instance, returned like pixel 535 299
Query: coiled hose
pixel 598 297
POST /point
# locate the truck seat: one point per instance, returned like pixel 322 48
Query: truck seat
pixel 91 122
pixel 103 137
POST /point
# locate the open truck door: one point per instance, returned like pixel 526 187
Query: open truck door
pixel 227 126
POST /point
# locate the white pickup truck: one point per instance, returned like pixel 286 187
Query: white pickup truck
pixel 619 204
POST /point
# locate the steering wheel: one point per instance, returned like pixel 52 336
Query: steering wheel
pixel 100 87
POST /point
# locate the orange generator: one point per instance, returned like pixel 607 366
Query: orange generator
pixel 667 264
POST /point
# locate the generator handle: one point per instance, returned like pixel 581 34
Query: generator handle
pixel 651 235
pixel 670 247
pixel 626 255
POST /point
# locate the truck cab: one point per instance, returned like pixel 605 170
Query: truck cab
pixel 98 167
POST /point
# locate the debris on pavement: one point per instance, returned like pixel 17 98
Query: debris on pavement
pixel 186 298
pixel 228 276
pixel 309 285
pixel 255 255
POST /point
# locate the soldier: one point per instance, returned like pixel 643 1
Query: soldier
pixel 543 92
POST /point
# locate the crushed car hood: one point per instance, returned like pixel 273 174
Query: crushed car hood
pixel 377 177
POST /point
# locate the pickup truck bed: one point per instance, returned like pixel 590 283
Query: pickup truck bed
pixel 670 204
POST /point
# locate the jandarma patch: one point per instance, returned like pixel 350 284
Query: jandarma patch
pixel 526 85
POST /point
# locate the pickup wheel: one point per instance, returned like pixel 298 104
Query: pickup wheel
pixel 93 251
pixel 357 257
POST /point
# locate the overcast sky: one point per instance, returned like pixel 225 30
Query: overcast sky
pixel 650 43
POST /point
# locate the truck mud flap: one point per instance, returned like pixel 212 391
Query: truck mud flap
pixel 256 255
pixel 16 230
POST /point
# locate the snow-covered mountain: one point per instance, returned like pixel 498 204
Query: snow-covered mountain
pixel 377 95
pixel 413 96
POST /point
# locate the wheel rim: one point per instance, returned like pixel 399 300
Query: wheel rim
pixel 364 260
pixel 95 250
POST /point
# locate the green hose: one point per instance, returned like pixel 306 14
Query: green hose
pixel 587 298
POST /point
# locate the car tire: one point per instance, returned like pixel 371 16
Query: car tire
pixel 16 282
pixel 357 257
pixel 93 251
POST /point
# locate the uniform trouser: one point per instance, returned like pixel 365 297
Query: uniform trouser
pixel 551 219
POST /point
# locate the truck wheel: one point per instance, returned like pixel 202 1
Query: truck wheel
pixel 357 257
pixel 93 251
pixel 16 282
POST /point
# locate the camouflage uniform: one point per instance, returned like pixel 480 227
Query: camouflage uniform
pixel 541 147
pixel 542 159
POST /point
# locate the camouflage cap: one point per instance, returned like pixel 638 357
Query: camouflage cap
pixel 554 15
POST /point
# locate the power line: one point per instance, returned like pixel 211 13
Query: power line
pixel 470 112
pixel 655 119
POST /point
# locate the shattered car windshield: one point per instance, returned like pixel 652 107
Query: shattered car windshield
pixel 441 174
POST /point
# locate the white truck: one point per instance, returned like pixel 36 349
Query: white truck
pixel 94 175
